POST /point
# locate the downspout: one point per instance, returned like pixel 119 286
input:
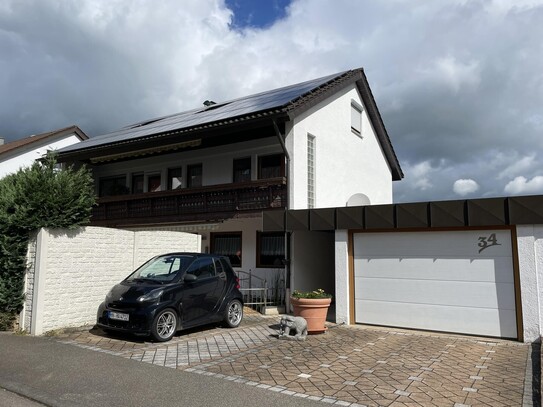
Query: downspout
pixel 281 137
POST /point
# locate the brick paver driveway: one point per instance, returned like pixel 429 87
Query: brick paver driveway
pixel 349 365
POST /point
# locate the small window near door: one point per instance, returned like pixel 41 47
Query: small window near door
pixel 271 166
pixel 242 169
pixel 175 178
pixel 227 244
pixel 194 175
pixel 153 183
pixel 270 249
pixel 112 186
pixel 137 183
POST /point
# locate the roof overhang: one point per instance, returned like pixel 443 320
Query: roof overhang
pixel 178 140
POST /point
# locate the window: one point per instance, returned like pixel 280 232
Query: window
pixel 194 175
pixel 270 249
pixel 153 183
pixel 111 186
pixel 271 166
pixel 227 244
pixel 175 178
pixel 219 267
pixel 242 169
pixel 356 118
pixel 202 268
pixel 137 183
pixel 310 171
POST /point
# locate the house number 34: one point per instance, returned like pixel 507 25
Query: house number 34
pixel 485 242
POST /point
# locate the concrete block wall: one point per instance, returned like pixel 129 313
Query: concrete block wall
pixel 71 271
pixel 26 315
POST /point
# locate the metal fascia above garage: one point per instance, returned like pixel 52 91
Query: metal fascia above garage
pixel 416 215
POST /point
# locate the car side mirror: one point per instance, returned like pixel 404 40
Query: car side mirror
pixel 189 278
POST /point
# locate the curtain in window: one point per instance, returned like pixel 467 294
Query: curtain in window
pixel 226 245
pixel 272 245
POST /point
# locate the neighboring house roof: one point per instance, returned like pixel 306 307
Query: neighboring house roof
pixel 278 104
pixel 26 142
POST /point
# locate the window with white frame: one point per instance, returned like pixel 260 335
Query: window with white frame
pixel 356 118
pixel 310 171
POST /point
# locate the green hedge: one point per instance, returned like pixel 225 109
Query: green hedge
pixel 41 196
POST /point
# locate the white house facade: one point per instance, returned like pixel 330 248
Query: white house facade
pixel 22 153
pixel 214 170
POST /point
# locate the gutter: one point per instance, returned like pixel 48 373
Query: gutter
pixel 281 138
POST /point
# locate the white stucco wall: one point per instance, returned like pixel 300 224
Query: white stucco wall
pixel 346 164
pixel 12 162
pixel 72 271
pixel 530 253
pixel 341 252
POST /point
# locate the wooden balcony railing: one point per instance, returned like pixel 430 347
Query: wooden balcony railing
pixel 195 204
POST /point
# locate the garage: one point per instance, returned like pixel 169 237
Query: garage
pixel 460 281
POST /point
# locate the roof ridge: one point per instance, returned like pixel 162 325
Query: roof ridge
pixel 317 91
pixel 25 141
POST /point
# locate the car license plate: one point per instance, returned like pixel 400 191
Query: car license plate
pixel 118 316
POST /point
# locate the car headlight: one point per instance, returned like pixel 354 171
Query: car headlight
pixel 151 296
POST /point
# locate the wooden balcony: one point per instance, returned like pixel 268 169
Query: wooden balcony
pixel 208 203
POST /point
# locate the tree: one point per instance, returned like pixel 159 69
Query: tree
pixel 41 196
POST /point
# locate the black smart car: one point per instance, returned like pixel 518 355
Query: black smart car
pixel 172 292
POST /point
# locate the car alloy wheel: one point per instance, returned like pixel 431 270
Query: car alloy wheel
pixel 234 313
pixel 164 325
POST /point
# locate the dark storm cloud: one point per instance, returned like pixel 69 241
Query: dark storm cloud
pixel 459 83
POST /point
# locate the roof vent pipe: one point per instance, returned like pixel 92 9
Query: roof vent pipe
pixel 1 141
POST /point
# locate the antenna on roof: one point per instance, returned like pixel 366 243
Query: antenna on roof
pixel 208 103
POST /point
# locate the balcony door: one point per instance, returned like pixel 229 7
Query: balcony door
pixel 271 166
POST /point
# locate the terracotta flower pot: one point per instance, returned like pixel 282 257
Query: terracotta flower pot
pixel 314 311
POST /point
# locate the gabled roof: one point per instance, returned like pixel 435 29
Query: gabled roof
pixel 278 104
pixel 36 139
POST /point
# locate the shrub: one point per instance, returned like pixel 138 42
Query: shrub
pixel 40 196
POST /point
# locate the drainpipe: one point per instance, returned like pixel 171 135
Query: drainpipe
pixel 281 137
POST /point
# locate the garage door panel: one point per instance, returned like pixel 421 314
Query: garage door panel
pixel 440 293
pixel 454 281
pixel 452 269
pixel 481 321
pixel 435 244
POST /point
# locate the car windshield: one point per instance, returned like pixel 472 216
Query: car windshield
pixel 162 269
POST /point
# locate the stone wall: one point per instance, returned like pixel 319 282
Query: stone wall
pixel 70 272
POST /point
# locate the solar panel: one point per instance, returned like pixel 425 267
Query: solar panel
pixel 273 99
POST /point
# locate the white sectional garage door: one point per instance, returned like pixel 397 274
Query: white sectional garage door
pixel 453 281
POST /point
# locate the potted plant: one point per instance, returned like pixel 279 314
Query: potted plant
pixel 313 307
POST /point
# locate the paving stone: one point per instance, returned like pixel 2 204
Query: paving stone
pixel 339 367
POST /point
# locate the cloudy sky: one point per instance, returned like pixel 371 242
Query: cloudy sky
pixel 459 83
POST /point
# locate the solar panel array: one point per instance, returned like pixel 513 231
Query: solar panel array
pixel 273 99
